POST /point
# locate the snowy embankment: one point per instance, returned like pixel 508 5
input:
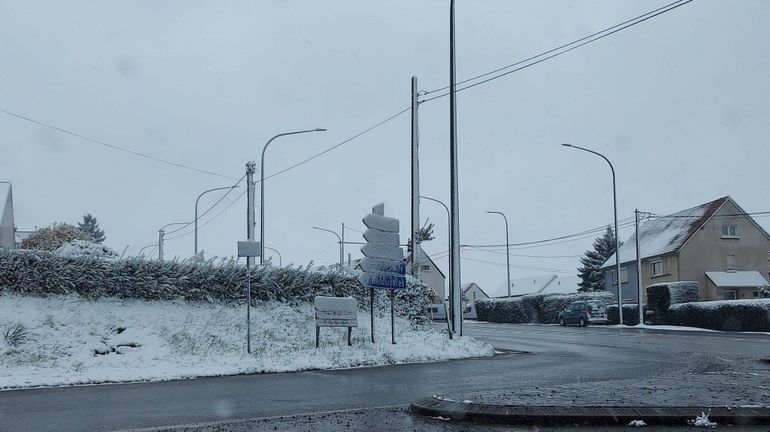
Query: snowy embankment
pixel 64 340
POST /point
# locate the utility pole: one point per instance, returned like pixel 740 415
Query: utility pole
pixel 454 205
pixel 250 168
pixel 638 267
pixel 342 247
pixel 160 244
pixel 415 270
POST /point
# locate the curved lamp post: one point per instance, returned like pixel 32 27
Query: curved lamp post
pixel 615 207
pixel 196 210
pixel 342 251
pixel 262 189
pixel 280 260
pixel 161 233
pixel 507 250
pixel 448 217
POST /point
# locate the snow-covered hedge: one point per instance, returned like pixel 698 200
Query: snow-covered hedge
pixel 87 248
pixel 532 309
pixel 43 273
pixel 662 295
pixel 727 315
pixel 630 314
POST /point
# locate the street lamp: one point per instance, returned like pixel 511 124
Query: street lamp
pixel 507 250
pixel 140 250
pixel 277 253
pixel 448 218
pixel 262 189
pixel 342 251
pixel 196 211
pixel 161 233
pixel 615 207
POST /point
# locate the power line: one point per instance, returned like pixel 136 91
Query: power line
pixel 481 249
pixel 656 216
pixel 359 134
pixel 209 209
pixel 572 46
pixel 212 218
pixel 524 267
pixel 112 146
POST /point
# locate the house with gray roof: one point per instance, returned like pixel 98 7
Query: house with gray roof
pixel 716 244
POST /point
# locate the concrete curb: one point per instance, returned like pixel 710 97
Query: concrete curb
pixel 586 415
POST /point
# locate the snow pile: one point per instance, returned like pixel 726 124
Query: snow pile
pixel 637 423
pixel 71 340
pixel 80 248
pixel 703 421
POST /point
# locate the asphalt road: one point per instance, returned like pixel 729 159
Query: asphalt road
pixel 554 356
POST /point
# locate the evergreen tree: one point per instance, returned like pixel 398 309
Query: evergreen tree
pixel 591 275
pixel 91 227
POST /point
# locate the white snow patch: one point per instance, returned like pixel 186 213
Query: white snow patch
pixel 78 248
pixel 637 423
pixel 703 421
pixel 73 340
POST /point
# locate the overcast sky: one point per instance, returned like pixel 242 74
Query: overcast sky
pixel 678 103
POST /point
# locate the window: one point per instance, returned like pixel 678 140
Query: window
pixel 474 296
pixel 623 276
pixel 729 231
pixel 657 268
pixel 755 294
pixel 730 262
pixel 424 268
pixel 729 295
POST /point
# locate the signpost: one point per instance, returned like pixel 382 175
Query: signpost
pixel 383 263
pixel 248 249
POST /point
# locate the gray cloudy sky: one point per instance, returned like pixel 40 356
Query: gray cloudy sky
pixel 678 103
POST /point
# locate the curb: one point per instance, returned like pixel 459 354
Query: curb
pixel 586 415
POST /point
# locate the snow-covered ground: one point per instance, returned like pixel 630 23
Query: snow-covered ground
pixel 71 340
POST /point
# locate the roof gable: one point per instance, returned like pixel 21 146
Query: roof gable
pixel 666 234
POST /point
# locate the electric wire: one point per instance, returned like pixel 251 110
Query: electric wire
pixel 617 28
pixel 209 209
pixel 112 146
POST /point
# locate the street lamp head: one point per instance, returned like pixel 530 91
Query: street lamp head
pixel 320 129
pixel 567 145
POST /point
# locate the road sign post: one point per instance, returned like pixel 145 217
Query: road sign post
pixel 248 249
pixel 383 263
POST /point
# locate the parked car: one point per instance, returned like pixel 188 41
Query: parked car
pixel 583 312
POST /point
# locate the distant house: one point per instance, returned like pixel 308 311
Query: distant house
pixel 430 275
pixel 7 225
pixel 547 284
pixel 472 292
pixel 715 244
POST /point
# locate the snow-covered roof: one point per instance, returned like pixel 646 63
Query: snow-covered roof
pixel 467 286
pixel 737 279
pixel 548 284
pixel 662 235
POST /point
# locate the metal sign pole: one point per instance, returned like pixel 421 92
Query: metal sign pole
pixel 371 293
pixel 248 305
pixel 392 317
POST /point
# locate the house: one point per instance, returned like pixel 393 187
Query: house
pixel 470 293
pixel 713 244
pixel 7 225
pixel 547 284
pixel 430 275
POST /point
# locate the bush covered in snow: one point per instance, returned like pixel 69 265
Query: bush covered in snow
pixel 42 273
pixel 630 314
pixel 661 296
pixel 727 315
pixel 532 309
pixel 53 237
pixel 87 248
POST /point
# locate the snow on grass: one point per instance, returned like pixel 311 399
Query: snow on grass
pixel 72 340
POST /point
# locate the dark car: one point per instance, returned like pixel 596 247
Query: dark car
pixel 576 313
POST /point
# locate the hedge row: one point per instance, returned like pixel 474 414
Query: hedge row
pixel 542 309
pixel 630 314
pixel 727 315
pixel 661 296
pixel 43 273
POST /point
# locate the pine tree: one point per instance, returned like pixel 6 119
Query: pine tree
pixel 591 274
pixel 91 227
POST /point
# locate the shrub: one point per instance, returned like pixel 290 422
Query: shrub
pixel 53 237
pixel 15 334
pixel 661 296
pixel 630 314
pixel 727 315
pixel 532 309
pixel 44 273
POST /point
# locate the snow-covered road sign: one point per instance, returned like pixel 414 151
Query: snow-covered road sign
pixel 383 265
